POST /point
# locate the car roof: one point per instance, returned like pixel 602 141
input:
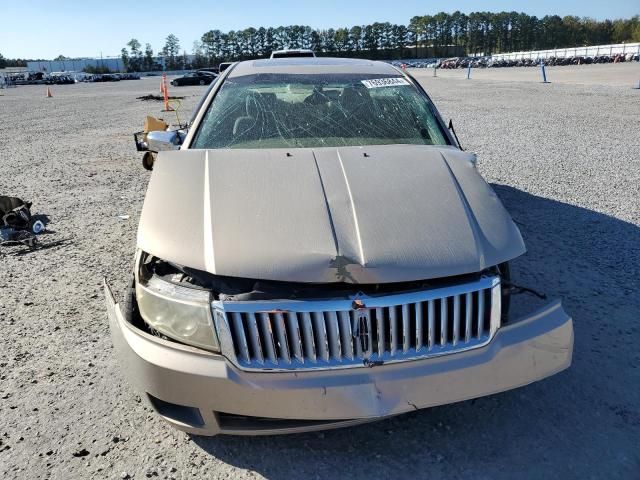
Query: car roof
pixel 293 50
pixel 311 65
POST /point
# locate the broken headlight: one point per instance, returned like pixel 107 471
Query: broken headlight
pixel 180 313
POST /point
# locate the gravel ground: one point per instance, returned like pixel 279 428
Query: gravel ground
pixel 564 158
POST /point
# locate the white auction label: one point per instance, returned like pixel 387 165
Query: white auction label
pixel 385 82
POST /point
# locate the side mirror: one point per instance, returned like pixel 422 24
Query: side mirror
pixel 159 141
pixel 453 130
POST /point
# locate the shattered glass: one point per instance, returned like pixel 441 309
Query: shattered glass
pixel 317 110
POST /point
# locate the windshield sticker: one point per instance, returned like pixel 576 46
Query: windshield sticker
pixel 384 82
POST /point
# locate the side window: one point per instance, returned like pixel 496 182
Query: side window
pixel 202 100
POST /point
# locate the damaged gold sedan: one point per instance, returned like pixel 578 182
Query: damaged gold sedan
pixel 316 251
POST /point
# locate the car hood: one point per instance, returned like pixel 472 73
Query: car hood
pixel 374 214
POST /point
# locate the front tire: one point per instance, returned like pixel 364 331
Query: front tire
pixel 505 282
pixel 130 305
pixel 148 160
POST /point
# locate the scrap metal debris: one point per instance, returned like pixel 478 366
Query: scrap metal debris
pixel 158 98
pixel 19 228
pixel 518 289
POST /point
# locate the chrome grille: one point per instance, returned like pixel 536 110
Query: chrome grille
pixel 364 330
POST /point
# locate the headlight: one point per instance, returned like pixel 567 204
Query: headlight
pixel 180 313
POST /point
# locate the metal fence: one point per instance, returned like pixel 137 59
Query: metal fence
pixel 592 51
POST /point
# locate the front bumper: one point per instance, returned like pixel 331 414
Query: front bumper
pixel 204 393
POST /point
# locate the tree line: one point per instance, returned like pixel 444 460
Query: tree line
pixel 488 33
pixel 442 34
pixel 477 33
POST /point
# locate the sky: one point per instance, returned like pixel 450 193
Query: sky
pixel 46 29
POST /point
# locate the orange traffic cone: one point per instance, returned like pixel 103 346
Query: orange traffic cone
pixel 165 92
pixel 49 93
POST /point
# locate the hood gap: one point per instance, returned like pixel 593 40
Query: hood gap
pixel 473 223
pixel 326 202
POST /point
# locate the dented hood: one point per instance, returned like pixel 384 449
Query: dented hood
pixel 356 214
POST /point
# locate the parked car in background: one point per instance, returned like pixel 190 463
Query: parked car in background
pixel 212 71
pixel 194 78
pixel 58 78
pixel 317 251
pixel 130 76
pixel 106 77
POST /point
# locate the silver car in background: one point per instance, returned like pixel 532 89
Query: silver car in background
pixel 317 251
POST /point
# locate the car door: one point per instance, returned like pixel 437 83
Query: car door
pixel 202 78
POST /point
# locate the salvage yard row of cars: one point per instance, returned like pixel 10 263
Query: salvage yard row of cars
pixel 64 78
pixel 489 62
pixel 335 258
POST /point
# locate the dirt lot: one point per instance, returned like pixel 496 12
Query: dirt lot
pixel 565 159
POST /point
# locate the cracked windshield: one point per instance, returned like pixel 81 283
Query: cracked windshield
pixel 285 110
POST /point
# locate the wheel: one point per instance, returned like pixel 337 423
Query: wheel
pixel 505 279
pixel 201 82
pixel 130 304
pixel 147 161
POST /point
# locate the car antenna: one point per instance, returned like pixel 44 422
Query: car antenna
pixel 453 130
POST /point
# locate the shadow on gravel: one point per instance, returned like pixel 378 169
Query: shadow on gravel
pixel 555 428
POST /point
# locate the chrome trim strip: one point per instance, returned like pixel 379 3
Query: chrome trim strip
pixel 346 304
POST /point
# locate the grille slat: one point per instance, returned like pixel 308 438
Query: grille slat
pixel 334 335
pixel 322 344
pixel 281 335
pixel 406 337
pixel 480 314
pixel 331 334
pixel 307 334
pixel 267 334
pixel 456 320
pixel 393 326
pixel 467 316
pixel 254 336
pixel 238 326
pixel 370 348
pixel 382 333
pixel 444 321
pixel 357 346
pixel 346 337
pixel 296 336
pixel 432 323
pixel 419 327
